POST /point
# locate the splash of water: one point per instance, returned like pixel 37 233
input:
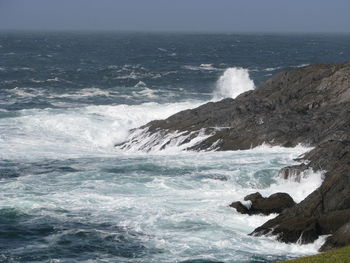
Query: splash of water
pixel 232 83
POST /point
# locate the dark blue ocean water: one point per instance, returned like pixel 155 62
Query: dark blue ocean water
pixel 68 195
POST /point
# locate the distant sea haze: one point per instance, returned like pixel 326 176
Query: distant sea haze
pixel 70 195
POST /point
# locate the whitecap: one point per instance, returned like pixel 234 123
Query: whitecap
pixel 201 67
pixel 140 84
pixel 88 92
pixel 272 69
pixel 90 130
pixel 301 65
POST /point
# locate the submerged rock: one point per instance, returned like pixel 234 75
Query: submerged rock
pixel 309 106
pixel 275 203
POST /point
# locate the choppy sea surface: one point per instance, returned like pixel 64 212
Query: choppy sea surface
pixel 68 195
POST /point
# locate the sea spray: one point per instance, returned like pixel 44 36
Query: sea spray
pixel 232 83
pixel 70 132
pixel 67 195
pixel 163 208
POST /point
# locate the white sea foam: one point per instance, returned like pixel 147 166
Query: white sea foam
pixel 23 69
pixel 179 203
pixel 202 67
pixel 162 142
pixel 301 65
pixel 75 131
pixel 31 92
pixel 150 93
pixel 25 92
pixel 232 83
pixel 297 190
pixel 272 69
pixel 140 84
pixel 87 92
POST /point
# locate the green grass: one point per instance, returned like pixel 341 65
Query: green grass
pixel 341 255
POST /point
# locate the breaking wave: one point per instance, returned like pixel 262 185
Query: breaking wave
pixel 69 132
pixel 232 83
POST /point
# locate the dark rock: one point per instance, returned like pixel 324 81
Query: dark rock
pixel 308 105
pixel 275 203
pixel 339 239
pixel 240 207
pixel 253 197
pixel 293 173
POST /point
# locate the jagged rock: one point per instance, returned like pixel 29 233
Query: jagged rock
pixel 308 105
pixel 275 203
pixel 253 197
pixel 240 207
pixel 324 210
pixel 339 239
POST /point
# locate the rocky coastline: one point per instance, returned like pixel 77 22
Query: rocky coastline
pixel 309 106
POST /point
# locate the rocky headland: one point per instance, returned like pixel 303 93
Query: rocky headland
pixel 309 106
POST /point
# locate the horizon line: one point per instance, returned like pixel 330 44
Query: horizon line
pixel 171 31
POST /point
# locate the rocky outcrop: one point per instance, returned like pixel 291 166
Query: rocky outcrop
pixel 339 239
pixel 257 204
pixel 309 105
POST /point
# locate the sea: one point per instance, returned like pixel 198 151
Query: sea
pixel 68 194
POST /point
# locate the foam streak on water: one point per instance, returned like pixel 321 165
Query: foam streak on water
pixel 67 189
pixel 72 191
pixel 72 132
pixel 68 195
pixel 168 207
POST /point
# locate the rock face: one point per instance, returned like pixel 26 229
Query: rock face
pixel 275 203
pixel 324 210
pixel 339 239
pixel 309 105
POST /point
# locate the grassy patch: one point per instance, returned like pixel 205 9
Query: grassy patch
pixel 341 255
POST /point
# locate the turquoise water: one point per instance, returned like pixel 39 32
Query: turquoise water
pixel 68 195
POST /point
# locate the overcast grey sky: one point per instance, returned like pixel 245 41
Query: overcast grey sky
pixel 177 15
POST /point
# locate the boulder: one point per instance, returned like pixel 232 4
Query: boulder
pixel 240 207
pixel 275 203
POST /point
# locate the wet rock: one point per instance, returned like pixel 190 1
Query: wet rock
pixel 253 197
pixel 240 207
pixel 306 105
pixel 293 173
pixel 339 239
pixel 275 203
pixel 309 106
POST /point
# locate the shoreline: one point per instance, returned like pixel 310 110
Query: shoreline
pixel 308 105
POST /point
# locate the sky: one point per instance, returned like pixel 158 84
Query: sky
pixel 177 15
